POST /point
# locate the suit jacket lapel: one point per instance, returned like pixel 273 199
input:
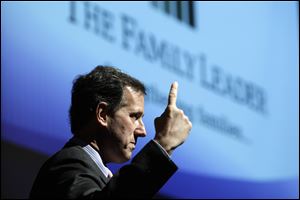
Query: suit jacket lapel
pixel 74 142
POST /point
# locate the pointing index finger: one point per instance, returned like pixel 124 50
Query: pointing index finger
pixel 173 94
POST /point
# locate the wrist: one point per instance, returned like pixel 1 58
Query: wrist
pixel 164 145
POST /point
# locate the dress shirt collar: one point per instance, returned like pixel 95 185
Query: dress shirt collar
pixel 95 156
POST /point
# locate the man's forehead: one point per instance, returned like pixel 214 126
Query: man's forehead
pixel 132 97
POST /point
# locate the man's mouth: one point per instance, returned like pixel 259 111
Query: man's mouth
pixel 133 145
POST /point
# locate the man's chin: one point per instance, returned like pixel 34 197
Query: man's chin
pixel 124 158
pixel 128 156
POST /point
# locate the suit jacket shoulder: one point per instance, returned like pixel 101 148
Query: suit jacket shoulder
pixel 71 173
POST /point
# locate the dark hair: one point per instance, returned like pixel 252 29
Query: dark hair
pixel 102 84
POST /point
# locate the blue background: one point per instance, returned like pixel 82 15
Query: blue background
pixel 42 51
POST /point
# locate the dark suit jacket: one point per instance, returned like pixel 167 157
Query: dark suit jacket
pixel 71 173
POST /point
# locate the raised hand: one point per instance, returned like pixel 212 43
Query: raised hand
pixel 173 126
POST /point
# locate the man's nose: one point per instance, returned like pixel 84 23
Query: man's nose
pixel 140 130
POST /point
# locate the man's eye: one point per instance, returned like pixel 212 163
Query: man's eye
pixel 135 116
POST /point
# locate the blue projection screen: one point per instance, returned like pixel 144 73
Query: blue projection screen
pixel 237 65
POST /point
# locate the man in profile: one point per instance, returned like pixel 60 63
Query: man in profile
pixel 106 120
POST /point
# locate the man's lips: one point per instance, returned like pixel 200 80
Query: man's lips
pixel 133 145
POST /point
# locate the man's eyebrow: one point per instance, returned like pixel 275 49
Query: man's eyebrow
pixel 123 103
pixel 138 112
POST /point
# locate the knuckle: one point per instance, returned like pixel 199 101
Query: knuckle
pixel 186 118
pixel 170 107
pixel 172 94
pixel 181 112
pixel 190 124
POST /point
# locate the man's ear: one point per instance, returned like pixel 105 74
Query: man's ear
pixel 102 113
